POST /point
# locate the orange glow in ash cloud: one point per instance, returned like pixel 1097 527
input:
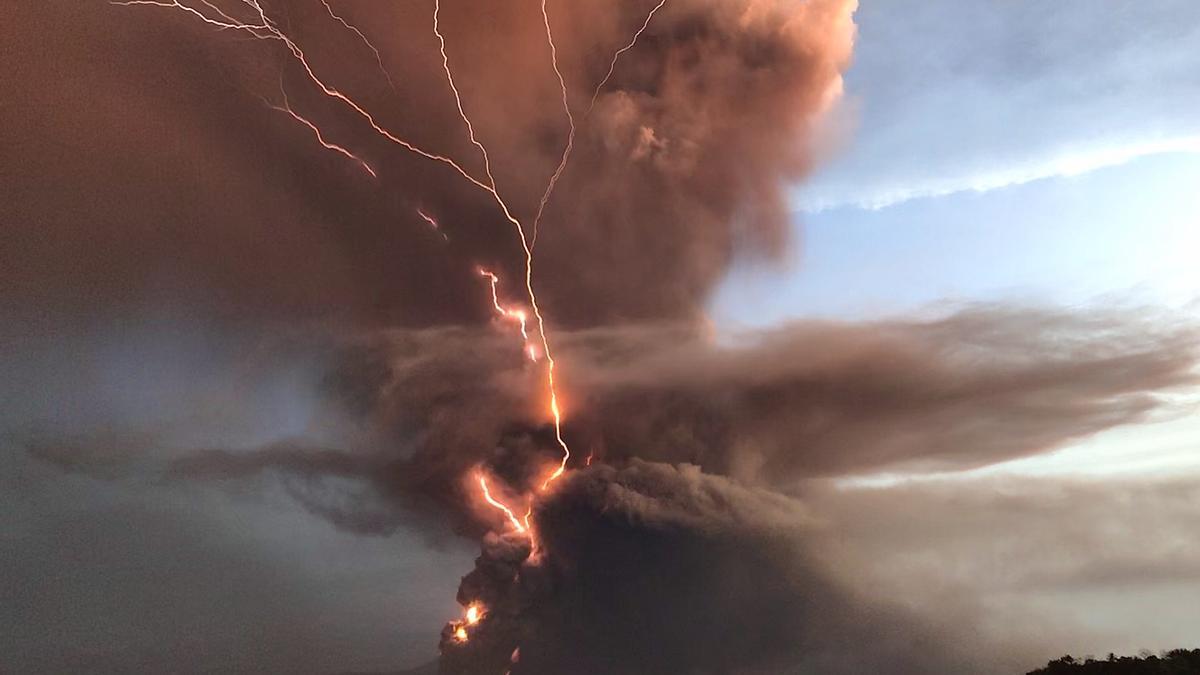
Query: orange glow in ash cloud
pixel 517 315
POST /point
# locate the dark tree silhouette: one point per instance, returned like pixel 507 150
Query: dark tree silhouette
pixel 1175 662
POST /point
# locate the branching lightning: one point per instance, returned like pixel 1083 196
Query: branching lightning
pixel 225 22
pixel 555 410
pixel 566 154
pixel 268 30
pixel 261 26
pixel 517 315
pixel 487 164
pixel 361 36
pixel 328 145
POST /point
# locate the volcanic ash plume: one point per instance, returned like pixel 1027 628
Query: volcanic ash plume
pixel 653 568
pixel 515 227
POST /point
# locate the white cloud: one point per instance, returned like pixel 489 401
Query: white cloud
pixel 1060 166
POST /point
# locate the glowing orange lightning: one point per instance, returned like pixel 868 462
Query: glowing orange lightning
pixel 267 29
pixel 264 28
pixel 433 223
pixel 555 410
pixel 514 314
pixel 508 513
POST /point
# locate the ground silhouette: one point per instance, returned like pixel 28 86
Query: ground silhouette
pixel 1175 662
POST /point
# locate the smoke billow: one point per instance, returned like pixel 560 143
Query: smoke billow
pixel 653 568
pixel 683 547
pixel 198 193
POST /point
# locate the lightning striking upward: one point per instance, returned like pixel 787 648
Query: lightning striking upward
pixel 264 28
pixel 612 66
pixel 555 410
pixel 354 29
pixel 267 29
pixel 776 73
pixel 487 163
pixel 566 154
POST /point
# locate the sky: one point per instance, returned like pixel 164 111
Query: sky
pixel 973 347
pixel 1038 153
pixel 1033 154
pixel 1033 150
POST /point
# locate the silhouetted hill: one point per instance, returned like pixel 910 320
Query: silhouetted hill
pixel 1175 662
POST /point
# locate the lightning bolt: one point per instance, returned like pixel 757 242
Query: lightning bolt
pixel 555 409
pixel 267 29
pixel 263 27
pixel 487 163
pixel 287 108
pixel 566 154
pixel 433 223
pixel 354 29
pixel 500 506
pixel 218 10
pixel 225 22
pixel 514 314
pixel 612 66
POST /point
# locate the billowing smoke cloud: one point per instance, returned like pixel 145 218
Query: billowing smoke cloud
pixel 197 192
pixel 659 569
pixel 981 386
pixel 974 388
pixel 678 549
